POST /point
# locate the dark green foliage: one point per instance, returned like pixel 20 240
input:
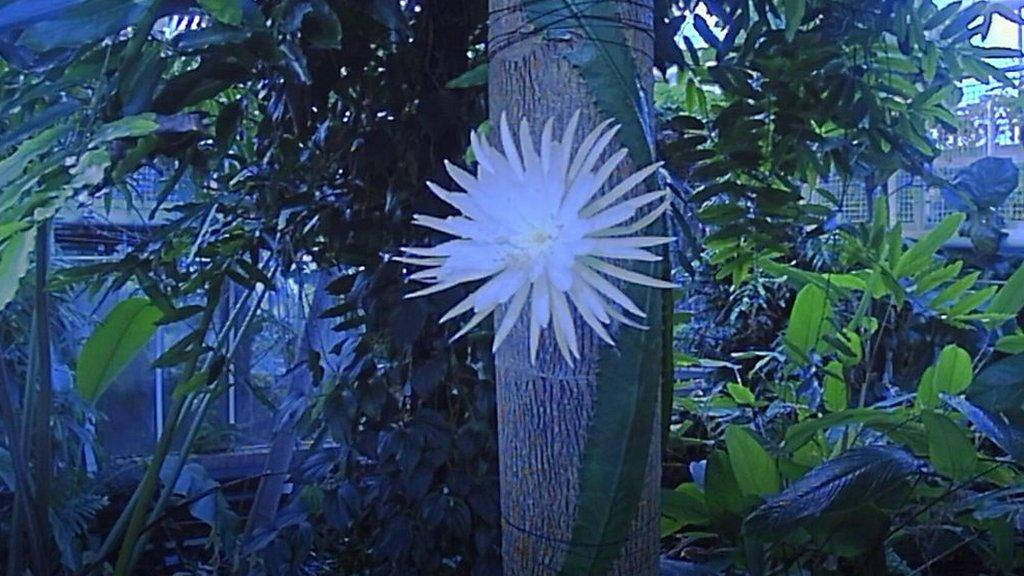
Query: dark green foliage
pixel 309 128
pixel 798 91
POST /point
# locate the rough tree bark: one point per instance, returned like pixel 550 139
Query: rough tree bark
pixel 544 411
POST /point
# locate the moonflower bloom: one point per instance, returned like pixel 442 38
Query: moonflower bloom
pixel 533 225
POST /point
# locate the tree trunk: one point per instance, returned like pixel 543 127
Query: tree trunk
pixel 545 410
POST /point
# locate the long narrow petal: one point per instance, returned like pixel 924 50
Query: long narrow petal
pixel 465 305
pixel 587 166
pixel 584 148
pixel 540 314
pixel 620 190
pixel 508 147
pixel 627 275
pixel 589 145
pixel 584 187
pixel 419 261
pixel 481 150
pixel 531 160
pixel 609 290
pixel 588 316
pixel 512 314
pixel 464 179
pixel 547 145
pixel 624 253
pixel 562 320
pixel 565 147
pixel 637 226
pixel 619 213
pixel 448 283
pixel 476 319
pixel 615 314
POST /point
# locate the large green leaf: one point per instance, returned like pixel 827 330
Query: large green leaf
pixel 1000 386
pixel 920 255
pixel 129 127
pixel 605 62
pixel 807 321
pixel 14 263
pixel 836 395
pixel 82 24
pixel 755 469
pixel 795 10
pixel 952 374
pixel 114 344
pixel 799 434
pixel 949 448
pixel 614 464
pixel 1008 437
pixel 1010 297
pixel 850 481
pixel 684 506
pixel 226 11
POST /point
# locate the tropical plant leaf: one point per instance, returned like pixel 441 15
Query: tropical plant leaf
pixel 1010 297
pixel 470 79
pixel 755 469
pixel 952 374
pixel 605 62
pixel 852 480
pixel 803 432
pixel 808 321
pixel 1000 386
pixel 226 11
pixel 949 448
pixel 14 263
pixel 836 394
pixel 1008 437
pixel 614 464
pixel 114 344
pixel 129 127
pixel 795 10
pixel 683 506
pixel 920 255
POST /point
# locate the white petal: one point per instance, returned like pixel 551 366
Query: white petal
pixel 624 253
pixel 476 319
pixel 512 314
pixel 592 301
pixel 588 316
pixel 547 145
pixel 624 320
pixel 621 189
pixel 500 288
pixel 531 161
pixel 461 202
pixel 508 147
pixel 482 151
pixel 608 289
pixel 419 261
pixel 628 248
pixel 540 315
pixel 584 187
pixel 566 145
pixel 637 226
pixel 461 308
pixel 464 179
pixel 622 211
pixel 583 155
pixel 565 330
pixel 627 275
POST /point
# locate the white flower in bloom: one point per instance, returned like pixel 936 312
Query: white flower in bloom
pixel 532 224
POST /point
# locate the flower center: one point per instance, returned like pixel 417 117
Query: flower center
pixel 531 245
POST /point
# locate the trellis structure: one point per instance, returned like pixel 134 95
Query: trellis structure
pixel 919 207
